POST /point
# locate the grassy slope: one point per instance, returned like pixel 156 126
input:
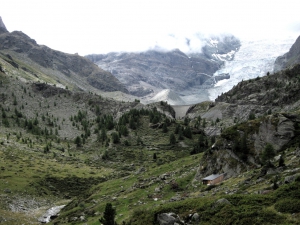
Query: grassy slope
pixel 136 184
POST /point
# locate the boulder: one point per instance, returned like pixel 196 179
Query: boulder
pixel 222 201
pixel 290 179
pixel 195 218
pixel 167 218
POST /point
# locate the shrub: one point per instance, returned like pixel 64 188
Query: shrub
pixel 251 116
pixel 288 205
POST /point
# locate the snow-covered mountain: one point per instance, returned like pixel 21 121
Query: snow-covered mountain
pixel 254 58
pixel 146 73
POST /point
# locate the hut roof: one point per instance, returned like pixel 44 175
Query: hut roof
pixel 212 177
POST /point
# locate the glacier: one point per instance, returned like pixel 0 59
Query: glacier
pixel 254 59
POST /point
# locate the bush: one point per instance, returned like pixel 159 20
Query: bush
pixel 288 205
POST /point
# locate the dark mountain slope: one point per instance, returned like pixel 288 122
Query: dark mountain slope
pixel 67 69
pixel 290 58
pixel 2 26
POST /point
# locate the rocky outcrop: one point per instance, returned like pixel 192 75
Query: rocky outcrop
pixel 221 202
pixel 276 130
pixel 220 161
pixel 2 27
pixel 169 96
pixel 148 72
pixel 50 214
pixel 290 58
pixel 167 219
pixel 70 68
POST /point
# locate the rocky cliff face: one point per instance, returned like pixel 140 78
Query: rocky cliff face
pixel 290 58
pixel 67 68
pixel 152 71
pixel 278 130
pixel 265 110
pixel 2 27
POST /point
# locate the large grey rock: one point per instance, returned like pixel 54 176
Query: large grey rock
pixel 167 218
pixel 50 214
pixel 277 135
pixel 222 201
pixel 290 179
pixel 220 161
pixel 195 218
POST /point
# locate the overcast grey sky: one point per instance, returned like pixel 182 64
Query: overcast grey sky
pixel 101 26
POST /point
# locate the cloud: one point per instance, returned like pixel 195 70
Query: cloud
pixel 115 25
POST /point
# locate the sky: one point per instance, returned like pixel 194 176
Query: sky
pixel 102 26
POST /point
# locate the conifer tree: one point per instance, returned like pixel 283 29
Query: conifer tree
pixel 172 139
pixel 108 215
pixel 268 153
pixel 165 128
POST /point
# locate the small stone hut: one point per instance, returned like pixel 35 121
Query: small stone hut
pixel 213 179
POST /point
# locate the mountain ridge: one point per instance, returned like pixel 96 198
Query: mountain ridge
pixel 290 58
pixel 68 69
pixel 2 26
pixel 147 73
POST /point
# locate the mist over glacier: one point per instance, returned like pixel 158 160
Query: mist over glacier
pixel 254 59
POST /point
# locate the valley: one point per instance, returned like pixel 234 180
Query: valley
pixel 74 137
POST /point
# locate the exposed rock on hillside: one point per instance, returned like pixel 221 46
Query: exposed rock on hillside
pixel 151 71
pixel 68 69
pixel 290 58
pixel 2 27
pixel 258 109
pixel 168 95
pixel 278 130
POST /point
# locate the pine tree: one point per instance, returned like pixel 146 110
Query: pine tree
pixel 187 132
pixel 154 156
pixel 177 128
pixel 172 139
pixel 281 161
pixel 165 128
pixel 77 141
pixel 115 138
pixel 180 134
pixel 139 140
pixel 102 136
pixel 268 153
pixel 108 215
